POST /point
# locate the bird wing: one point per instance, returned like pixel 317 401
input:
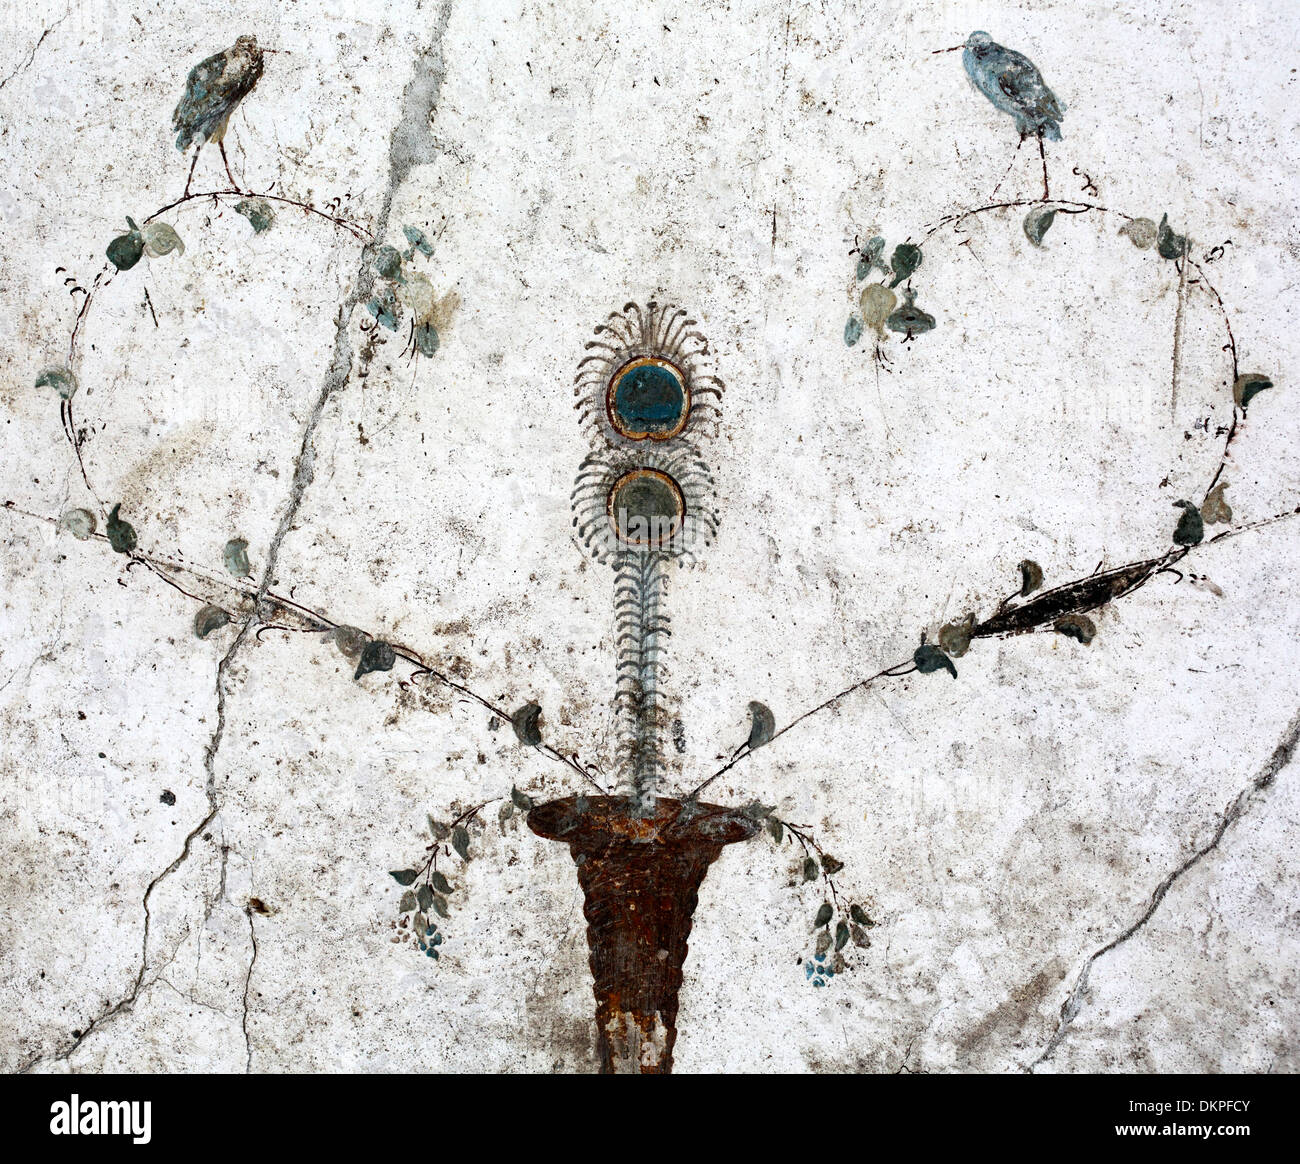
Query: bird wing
pixel 1023 85
pixel 203 82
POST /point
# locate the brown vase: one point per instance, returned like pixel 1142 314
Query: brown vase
pixel 640 875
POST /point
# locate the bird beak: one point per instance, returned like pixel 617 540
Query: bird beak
pixel 954 49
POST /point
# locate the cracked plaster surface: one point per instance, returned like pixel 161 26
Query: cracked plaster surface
pixel 1079 859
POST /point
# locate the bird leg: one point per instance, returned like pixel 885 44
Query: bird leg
pixel 190 179
pixel 221 145
pixel 1042 153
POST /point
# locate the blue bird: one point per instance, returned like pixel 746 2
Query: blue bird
pixel 213 91
pixel 1013 83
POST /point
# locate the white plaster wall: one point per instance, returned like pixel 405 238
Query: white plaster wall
pixel 1005 828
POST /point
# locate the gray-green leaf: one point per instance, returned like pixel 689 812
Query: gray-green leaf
pixel 1248 386
pixel 823 915
pixel 402 876
pixel 929 658
pixel 62 380
pixel 121 534
pixel 809 869
pixel 460 841
pixel 258 212
pixel 415 236
pixel 1168 244
pixel 1191 526
pixel 161 239
pixel 904 262
pixel 525 723
pixel 521 800
pixel 1141 232
pixel 376 655
pixel 1031 577
pixel 125 250
pixel 80 523
pixel 1037 223
pixel 208 619
pixel 424 895
pixel 1076 626
pixel 235 555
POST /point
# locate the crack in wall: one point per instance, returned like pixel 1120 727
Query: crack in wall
pixel 248 979
pixel 31 55
pixel 1281 756
pixel 412 144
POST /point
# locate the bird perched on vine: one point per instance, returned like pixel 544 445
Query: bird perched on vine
pixel 1013 83
pixel 213 91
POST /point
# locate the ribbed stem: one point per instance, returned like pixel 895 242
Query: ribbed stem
pixel 642 628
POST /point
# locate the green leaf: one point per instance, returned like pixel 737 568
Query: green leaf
pixel 831 865
pixel 125 250
pixel 439 882
pixel 402 876
pixel 424 896
pixel 208 619
pixel 910 320
pixel 161 239
pixel 929 658
pixel 869 258
pixel 525 723
pixel 809 869
pixel 1031 577
pixel 762 725
pixel 235 556
pixel 426 339
pixel 1246 388
pixel 384 307
pixel 860 915
pixel 1076 626
pixel 415 236
pixel 954 637
pixel 258 212
pixel 852 330
pixel 1037 223
pixel 904 262
pixel 460 841
pixel 841 935
pixel 388 262
pixel 407 904
pixel 823 915
pixel 440 906
pixel 121 534
pixel 1168 244
pixel 775 829
pixel 1191 527
pixel 521 800
pixel 80 523
pixel 437 830
pixel 62 380
pixel 376 655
